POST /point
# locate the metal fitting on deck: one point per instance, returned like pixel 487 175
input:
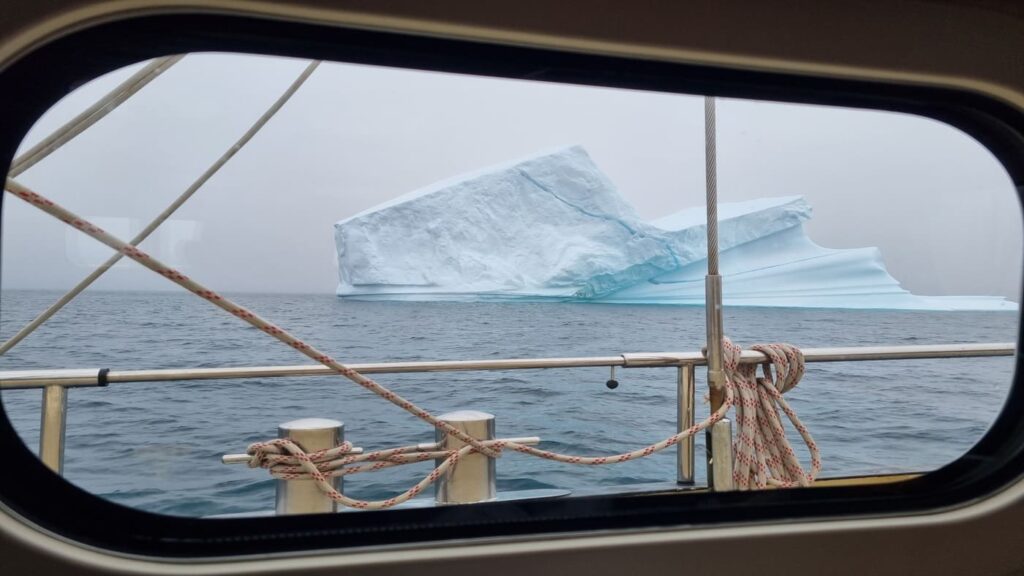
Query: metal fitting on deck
pixel 304 496
pixel 474 478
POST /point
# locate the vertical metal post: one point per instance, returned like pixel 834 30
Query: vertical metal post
pixel 473 479
pixel 718 437
pixel 719 445
pixel 685 417
pixel 713 281
pixel 716 377
pixel 303 496
pixel 52 426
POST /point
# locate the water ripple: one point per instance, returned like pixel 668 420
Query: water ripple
pixel 156 446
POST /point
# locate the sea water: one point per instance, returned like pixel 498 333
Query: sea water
pixel 157 446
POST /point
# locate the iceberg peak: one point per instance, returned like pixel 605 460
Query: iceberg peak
pixel 553 226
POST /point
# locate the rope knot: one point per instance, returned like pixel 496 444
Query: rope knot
pixel 762 455
pixel 282 456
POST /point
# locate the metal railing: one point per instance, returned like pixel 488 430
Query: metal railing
pixel 56 382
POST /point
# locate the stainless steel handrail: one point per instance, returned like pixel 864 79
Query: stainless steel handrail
pixel 55 382
pixel 90 377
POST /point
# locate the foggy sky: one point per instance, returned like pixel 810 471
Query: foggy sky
pixel 938 205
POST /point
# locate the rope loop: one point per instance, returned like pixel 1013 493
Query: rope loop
pixel 284 457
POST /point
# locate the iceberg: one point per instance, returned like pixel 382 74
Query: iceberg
pixel 553 226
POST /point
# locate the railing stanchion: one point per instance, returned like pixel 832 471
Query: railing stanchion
pixel 52 426
pixel 685 417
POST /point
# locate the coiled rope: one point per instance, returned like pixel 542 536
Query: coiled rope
pixel 762 455
pixel 738 380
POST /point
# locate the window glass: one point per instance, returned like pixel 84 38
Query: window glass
pixel 385 215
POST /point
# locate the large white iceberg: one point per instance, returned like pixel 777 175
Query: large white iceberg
pixel 553 226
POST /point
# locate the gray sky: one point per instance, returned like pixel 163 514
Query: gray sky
pixel 937 203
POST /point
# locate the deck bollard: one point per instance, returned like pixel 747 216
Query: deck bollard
pixel 303 496
pixel 473 479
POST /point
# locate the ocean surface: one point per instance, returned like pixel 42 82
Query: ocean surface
pixel 157 446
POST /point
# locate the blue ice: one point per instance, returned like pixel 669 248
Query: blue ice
pixel 553 226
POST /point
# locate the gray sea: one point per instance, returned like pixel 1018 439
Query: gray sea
pixel 157 446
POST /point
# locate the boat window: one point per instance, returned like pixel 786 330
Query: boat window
pixel 452 291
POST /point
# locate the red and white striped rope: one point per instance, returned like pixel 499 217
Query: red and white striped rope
pixel 280 458
pixel 762 455
pixel 305 461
